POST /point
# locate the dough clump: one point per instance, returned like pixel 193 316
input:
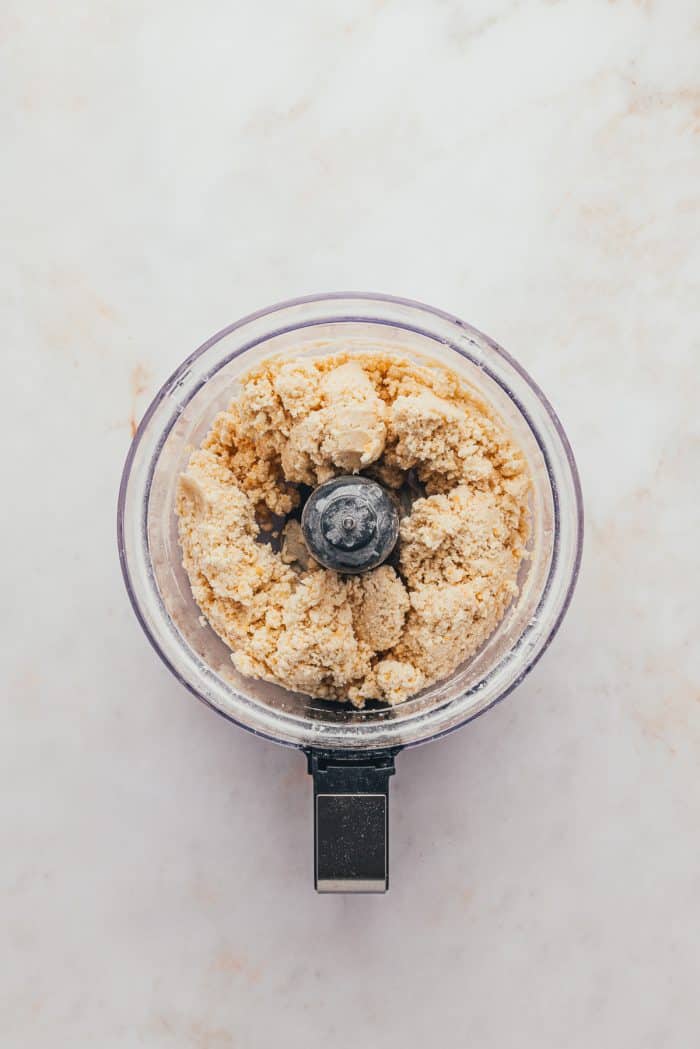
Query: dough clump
pixel 463 488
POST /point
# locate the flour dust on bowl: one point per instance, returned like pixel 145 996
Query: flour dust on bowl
pixel 350 523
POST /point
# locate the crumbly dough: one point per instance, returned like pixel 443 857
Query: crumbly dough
pixel 391 632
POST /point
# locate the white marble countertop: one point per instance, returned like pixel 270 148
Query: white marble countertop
pixel 531 166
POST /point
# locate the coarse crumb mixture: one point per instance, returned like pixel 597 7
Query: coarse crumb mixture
pixel 390 632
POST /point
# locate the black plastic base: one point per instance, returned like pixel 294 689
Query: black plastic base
pixel 351 819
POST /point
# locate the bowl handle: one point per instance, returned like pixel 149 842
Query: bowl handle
pixel 351 819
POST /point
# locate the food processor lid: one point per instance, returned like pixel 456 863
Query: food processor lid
pixel 413 721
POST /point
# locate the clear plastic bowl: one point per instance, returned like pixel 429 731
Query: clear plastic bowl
pixel 181 415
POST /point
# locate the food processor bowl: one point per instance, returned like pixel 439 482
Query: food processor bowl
pixel 177 421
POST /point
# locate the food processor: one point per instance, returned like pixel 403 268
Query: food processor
pixel 350 752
